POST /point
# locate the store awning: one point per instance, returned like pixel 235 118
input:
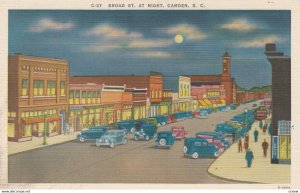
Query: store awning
pixel 41 119
pixel 208 102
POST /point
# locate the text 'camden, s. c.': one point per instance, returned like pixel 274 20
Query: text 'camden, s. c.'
pixel 147 5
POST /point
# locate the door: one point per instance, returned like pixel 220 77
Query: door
pixel 284 147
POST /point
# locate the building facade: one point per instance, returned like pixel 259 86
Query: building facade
pixel 281 96
pixel 184 93
pixel 84 101
pixel 216 94
pixel 37 96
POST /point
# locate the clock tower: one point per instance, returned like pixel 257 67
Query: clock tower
pixel 226 77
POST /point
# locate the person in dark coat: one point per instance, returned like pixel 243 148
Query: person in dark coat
pixel 255 133
pixel 247 137
pixel 260 124
pixel 249 157
pixel 233 137
pixel 246 145
pixel 265 146
pixel 240 145
pixel 264 129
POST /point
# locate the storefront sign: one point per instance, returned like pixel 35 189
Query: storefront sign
pixel 275 147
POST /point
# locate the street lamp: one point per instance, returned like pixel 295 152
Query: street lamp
pixel 245 118
pixel 45 115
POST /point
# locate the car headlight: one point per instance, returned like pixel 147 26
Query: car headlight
pixel 100 140
pixel 106 140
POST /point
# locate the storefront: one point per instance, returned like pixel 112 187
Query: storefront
pixel 284 139
pixel 184 106
pixel 127 112
pixel 165 108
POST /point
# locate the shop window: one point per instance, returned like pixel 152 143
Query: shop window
pixel 77 97
pixel 83 97
pixel 89 95
pixel 98 97
pixel 38 87
pixel 94 96
pixel 27 131
pixel 25 87
pixel 62 88
pixel 10 130
pixel 71 97
pixel 51 87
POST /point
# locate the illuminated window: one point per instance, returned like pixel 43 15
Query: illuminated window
pixel 38 87
pixel 24 87
pixel 77 97
pixel 98 97
pixel 94 96
pixel 89 95
pixel 71 97
pixel 62 88
pixel 83 97
pixel 51 87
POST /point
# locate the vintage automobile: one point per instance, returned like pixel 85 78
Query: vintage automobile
pixel 161 120
pixel 112 138
pixel 232 106
pixel 203 114
pixel 196 147
pixel 125 126
pixel 178 132
pixel 147 132
pixel 226 129
pixel 92 133
pixel 214 138
pixel 171 118
pixel 164 139
pixel 261 113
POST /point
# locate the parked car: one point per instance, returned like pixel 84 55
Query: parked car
pixel 171 118
pixel 196 114
pixel 147 132
pixel 92 133
pixel 125 126
pixel 214 138
pixel 165 139
pixel 203 114
pixel 196 147
pixel 178 132
pixel 112 138
pixel 151 120
pixel 161 120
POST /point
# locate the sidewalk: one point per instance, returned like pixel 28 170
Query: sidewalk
pixel 37 142
pixel 232 165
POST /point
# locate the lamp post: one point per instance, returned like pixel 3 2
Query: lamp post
pixel 45 140
pixel 245 118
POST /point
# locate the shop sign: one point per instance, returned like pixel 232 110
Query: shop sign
pixel 275 147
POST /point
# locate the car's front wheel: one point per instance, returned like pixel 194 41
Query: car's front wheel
pixel 195 155
pixel 162 142
pixel 132 130
pixel 185 149
pixel 136 138
pixel 81 139
pixel 147 138
pixel 98 144
pixel 216 154
pixel 112 145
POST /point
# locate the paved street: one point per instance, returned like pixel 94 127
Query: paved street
pixel 135 162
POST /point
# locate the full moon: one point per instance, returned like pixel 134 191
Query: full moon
pixel 178 39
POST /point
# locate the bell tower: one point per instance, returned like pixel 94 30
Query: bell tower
pixel 226 77
pixel 226 61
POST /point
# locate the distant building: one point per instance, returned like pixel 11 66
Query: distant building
pixel 184 93
pixel 281 103
pixel 153 83
pixel 37 96
pixel 223 80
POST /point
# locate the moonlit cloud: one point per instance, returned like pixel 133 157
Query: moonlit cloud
pixel 101 48
pixel 259 42
pixel 241 25
pixel 111 32
pixel 148 43
pixel 154 54
pixel 47 24
pixel 190 32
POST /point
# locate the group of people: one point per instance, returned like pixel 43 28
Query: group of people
pixel 249 153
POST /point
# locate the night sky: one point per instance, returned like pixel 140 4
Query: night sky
pixel 136 42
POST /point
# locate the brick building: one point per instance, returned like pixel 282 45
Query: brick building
pixel 37 96
pixel 223 79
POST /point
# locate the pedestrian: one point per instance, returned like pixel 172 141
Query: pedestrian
pixel 260 124
pixel 265 146
pixel 255 133
pixel 240 145
pixel 246 145
pixel 249 157
pixel 264 129
pixel 247 137
pixel 233 137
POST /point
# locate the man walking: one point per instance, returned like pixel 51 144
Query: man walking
pixel 255 133
pixel 265 146
pixel 240 145
pixel 264 129
pixel 249 157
